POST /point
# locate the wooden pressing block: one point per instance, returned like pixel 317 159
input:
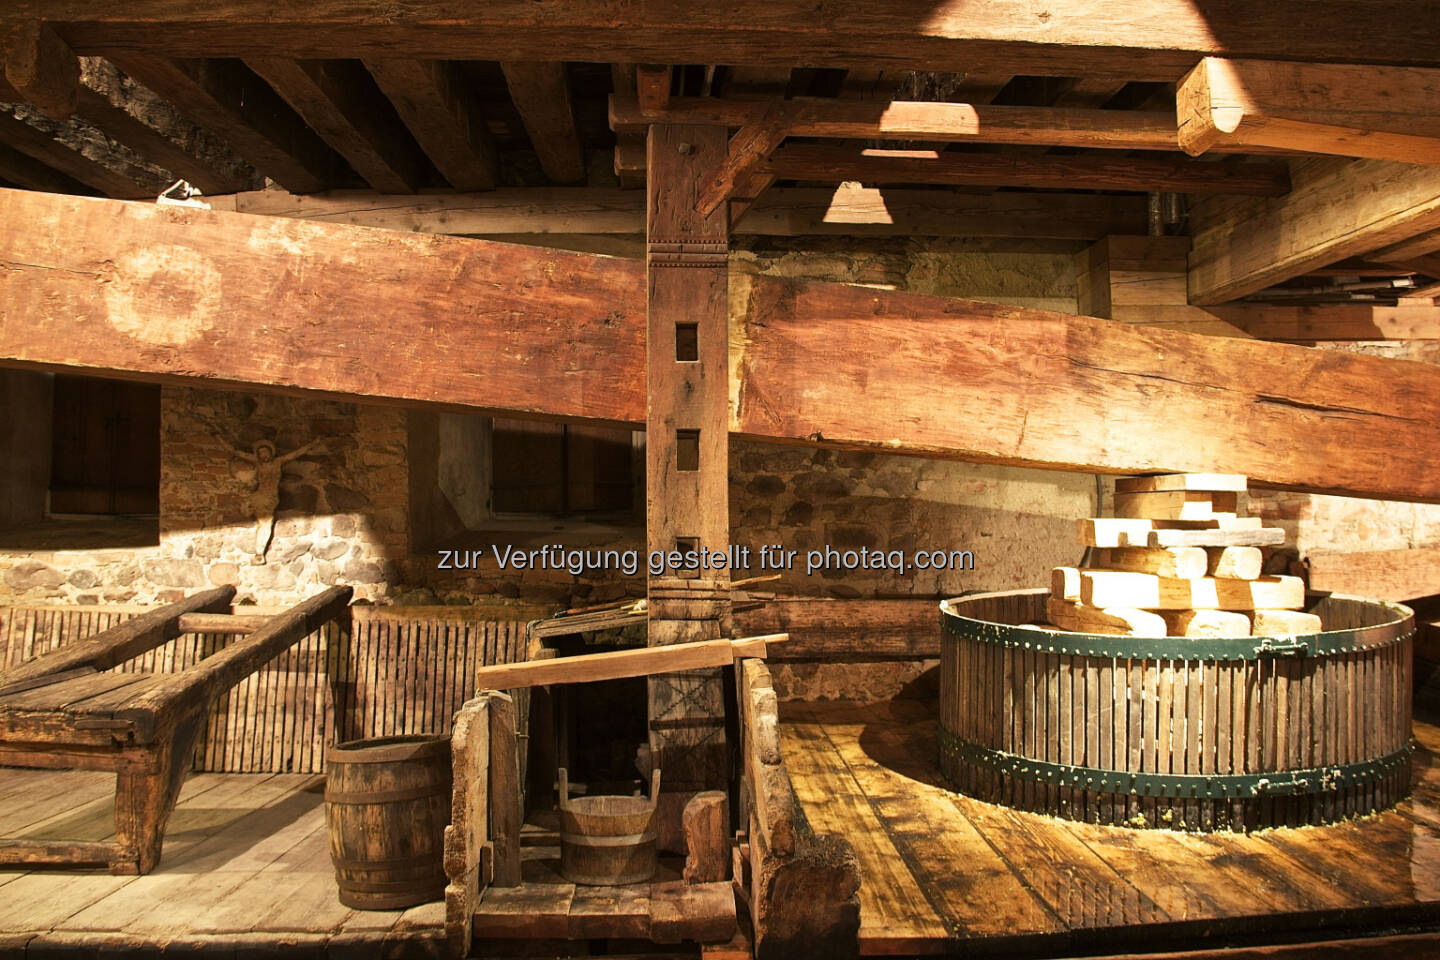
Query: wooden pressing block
pixel 1176 505
pixel 1142 532
pixel 1206 623
pixel 1234 563
pixel 1215 482
pixel 1182 562
pixel 1264 623
pixel 1065 583
pixel 1115 588
pixel 1125 621
pixel 623 663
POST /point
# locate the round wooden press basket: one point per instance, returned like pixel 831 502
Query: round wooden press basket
pixel 1177 732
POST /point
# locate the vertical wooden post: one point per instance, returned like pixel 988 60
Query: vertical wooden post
pixel 687 457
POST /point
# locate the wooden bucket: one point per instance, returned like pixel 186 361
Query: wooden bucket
pixel 387 803
pixel 1177 732
pixel 607 841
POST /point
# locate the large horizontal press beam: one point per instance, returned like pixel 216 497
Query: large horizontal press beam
pixel 849 210
pixel 187 295
pixel 1154 40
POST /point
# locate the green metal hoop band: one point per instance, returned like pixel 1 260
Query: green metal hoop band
pixel 1043 640
pixel 1188 786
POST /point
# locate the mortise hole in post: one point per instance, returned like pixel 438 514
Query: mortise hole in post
pixel 687 450
pixel 689 566
pixel 687 342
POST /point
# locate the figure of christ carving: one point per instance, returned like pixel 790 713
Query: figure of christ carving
pixel 265 497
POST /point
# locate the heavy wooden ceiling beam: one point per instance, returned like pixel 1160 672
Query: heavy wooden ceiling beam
pixel 1157 40
pixel 846 211
pixel 1386 113
pixel 237 106
pixel 1410 319
pixel 432 100
pixel 166 293
pixel 43 69
pixel 330 96
pixel 924 120
pixel 818 161
pixel 1408 249
pixel 1335 209
pixel 541 92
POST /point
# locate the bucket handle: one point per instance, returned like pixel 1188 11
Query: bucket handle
pixel 565 788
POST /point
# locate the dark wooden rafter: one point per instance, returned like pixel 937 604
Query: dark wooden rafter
pixel 431 98
pixel 151 126
pixel 25 171
pixel 541 92
pixel 1159 40
pixel 236 105
pixel 555 334
pixel 114 178
pixel 1098 171
pixel 331 96
pixel 1385 113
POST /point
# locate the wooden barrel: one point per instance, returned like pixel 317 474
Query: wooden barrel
pixel 387 803
pixel 1177 732
pixel 607 841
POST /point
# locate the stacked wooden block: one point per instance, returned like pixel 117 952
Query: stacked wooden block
pixel 1177 559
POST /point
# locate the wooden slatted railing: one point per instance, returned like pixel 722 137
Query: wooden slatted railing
pixel 403 670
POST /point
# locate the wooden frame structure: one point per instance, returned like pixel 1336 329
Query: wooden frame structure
pixel 63 710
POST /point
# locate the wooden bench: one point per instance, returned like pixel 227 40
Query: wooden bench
pixel 63 710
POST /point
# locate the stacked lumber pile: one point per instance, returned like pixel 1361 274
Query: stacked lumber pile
pixel 1177 559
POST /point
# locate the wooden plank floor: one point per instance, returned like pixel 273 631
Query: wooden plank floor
pixel 945 873
pixel 246 865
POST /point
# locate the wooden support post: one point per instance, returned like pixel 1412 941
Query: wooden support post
pixel 687 461
pixel 505 812
pixel 466 835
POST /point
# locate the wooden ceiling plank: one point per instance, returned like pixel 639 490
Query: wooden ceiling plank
pixel 555 334
pixel 541 92
pixel 1157 40
pixel 43 69
pixel 1099 171
pixel 926 120
pixel 431 99
pixel 1380 112
pixel 21 136
pixel 1336 209
pixel 789 211
pixel 1089 92
pixel 237 106
pixel 328 95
